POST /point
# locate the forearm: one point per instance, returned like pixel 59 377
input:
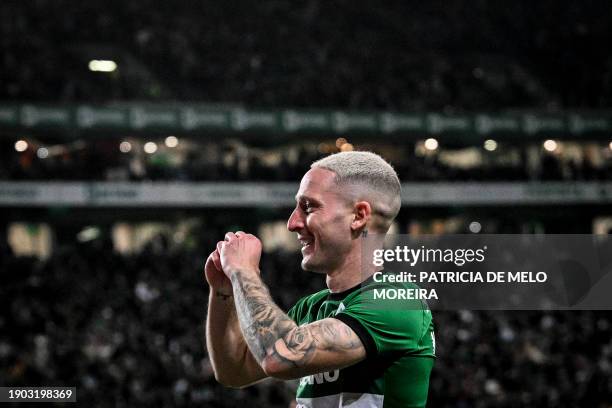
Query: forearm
pixel 230 358
pixel 282 349
pixel 262 322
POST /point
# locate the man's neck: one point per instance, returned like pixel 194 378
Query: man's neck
pixel 357 266
pixel 348 275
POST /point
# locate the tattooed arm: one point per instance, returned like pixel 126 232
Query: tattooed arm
pixel 283 349
pixel 232 362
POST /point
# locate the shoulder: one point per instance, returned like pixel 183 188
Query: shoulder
pixel 393 324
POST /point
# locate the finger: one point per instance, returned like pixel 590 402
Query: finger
pixel 220 246
pixel 216 259
pixel 209 259
pixel 239 233
pixel 229 236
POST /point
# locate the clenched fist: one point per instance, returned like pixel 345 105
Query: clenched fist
pixel 239 252
pixel 215 276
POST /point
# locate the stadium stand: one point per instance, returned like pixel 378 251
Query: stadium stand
pixel 401 56
pixel 125 327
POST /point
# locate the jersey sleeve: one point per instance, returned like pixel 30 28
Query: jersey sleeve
pixel 385 331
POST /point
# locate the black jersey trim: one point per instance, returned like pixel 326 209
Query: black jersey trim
pixel 345 293
pixel 366 338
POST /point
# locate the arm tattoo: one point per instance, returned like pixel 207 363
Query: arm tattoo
pixel 299 346
pixel 268 331
pixel 262 322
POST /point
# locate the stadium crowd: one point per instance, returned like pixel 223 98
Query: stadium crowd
pixel 396 56
pixel 126 330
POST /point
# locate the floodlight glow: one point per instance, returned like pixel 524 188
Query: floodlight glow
pixel 550 145
pixel 102 65
pixel 347 147
pixel 340 141
pixel 88 234
pixel 323 148
pixel 42 153
pixel 21 145
pixel 125 147
pixel 150 147
pixel 172 141
pixel 431 144
pixel 490 145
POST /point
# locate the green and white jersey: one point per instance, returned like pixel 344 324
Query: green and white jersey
pixel 399 344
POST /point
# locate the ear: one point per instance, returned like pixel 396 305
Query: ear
pixel 362 212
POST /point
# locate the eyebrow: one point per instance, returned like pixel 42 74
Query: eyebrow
pixel 299 198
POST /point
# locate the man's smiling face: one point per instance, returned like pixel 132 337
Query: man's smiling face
pixel 322 219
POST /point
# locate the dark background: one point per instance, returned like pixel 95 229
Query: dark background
pixel 126 326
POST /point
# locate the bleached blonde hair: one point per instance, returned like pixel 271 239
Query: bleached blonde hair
pixel 375 180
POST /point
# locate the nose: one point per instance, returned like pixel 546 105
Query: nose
pixel 295 222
